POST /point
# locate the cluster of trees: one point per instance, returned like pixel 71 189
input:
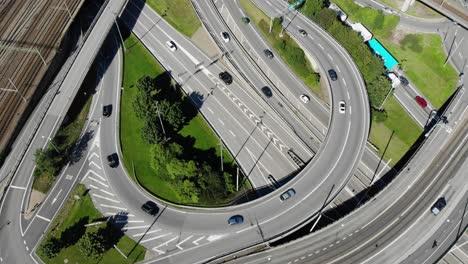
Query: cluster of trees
pixel 194 180
pixel 369 64
pixel 91 243
pixel 290 52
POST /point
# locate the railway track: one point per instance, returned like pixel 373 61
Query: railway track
pixel 31 32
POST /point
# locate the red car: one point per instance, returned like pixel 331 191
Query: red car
pixel 421 102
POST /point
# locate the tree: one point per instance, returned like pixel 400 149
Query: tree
pixel 312 7
pixel 379 116
pixel 162 155
pixel 181 169
pixel 91 244
pixel 172 114
pixel 377 90
pixel 51 247
pixel 151 132
pixel 46 162
pixel 325 17
pixel 188 191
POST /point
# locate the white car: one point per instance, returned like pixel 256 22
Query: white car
pixel 225 36
pixel 171 45
pixel 304 98
pixel 342 107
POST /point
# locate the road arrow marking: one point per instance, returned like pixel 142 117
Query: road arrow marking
pixel 178 245
pixel 55 198
pixel 196 241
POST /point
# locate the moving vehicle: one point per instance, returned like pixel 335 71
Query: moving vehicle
pixel 287 194
pixel 226 77
pixel 304 98
pixel 296 5
pixel 267 91
pixel 438 206
pixel 171 45
pixel 107 110
pixel 403 80
pixel 332 74
pixel 113 160
pixel 342 107
pixel 236 220
pixel 268 53
pixel 225 36
pixel 246 20
pixel 302 32
pixel 150 207
pixel 421 102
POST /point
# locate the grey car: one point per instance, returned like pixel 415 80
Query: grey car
pixel 287 194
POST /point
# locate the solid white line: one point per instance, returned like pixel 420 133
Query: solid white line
pixel 178 245
pixel 196 241
pixel 146 233
pixel 165 243
pixel 135 227
pixel 99 176
pixel 105 198
pixel 95 165
pixel 106 192
pixel 17 187
pixel 103 184
pixel 43 218
pixel 114 207
pixel 92 155
pixel 153 238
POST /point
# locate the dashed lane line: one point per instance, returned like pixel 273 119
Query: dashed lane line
pixel 43 218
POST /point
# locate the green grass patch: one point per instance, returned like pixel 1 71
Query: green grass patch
pixel 179 13
pixel 406 131
pixel 374 20
pixel 422 58
pixel 285 46
pixel 136 152
pixel 71 220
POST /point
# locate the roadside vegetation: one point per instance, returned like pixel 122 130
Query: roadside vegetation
pixel 179 13
pixel 285 46
pixel 392 118
pixel 417 9
pixel 63 147
pixel 70 240
pixel 421 56
pixel 179 161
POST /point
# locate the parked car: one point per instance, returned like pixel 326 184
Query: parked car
pixel 342 107
pixel 287 194
pixel 113 160
pixel 302 32
pixel 267 91
pixel 236 220
pixel 246 20
pixel 438 206
pixel 171 45
pixel 304 98
pixel 332 74
pixel 107 110
pixel 421 102
pixel 268 53
pixel 150 207
pixel 225 36
pixel 226 77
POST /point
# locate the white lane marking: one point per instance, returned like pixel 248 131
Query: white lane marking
pixel 349 98
pixel 209 109
pixel 95 165
pixel 165 243
pixel 113 207
pixel 92 155
pixel 196 241
pixel 17 187
pixel 178 245
pixel 344 81
pixel 43 218
pixel 56 197
pixel 105 198
pixel 135 227
pixel 338 68
pixel 221 121
pixel 103 184
pixel 320 45
pixel 129 221
pixel 146 233
pixel 153 238
pixel 99 176
pixel 114 213
pixel 232 133
pixel 329 56
pixel 106 192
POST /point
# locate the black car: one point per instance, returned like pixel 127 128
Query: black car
pixel 332 74
pixel 107 110
pixel 267 91
pixel 404 81
pixel 438 206
pixel 268 53
pixel 113 160
pixel 150 207
pixel 236 220
pixel 226 77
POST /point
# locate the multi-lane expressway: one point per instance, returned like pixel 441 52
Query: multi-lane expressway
pixel 266 217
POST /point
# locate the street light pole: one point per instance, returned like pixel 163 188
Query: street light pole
pixel 221 155
pixel 52 144
pixel 385 99
pixel 160 120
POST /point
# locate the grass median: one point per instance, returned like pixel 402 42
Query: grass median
pixel 68 228
pixel 179 13
pixel 285 46
pixel 196 135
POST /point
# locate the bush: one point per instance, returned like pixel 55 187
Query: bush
pixel 379 116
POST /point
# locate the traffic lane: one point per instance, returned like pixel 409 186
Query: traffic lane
pixel 195 56
pixel 411 107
